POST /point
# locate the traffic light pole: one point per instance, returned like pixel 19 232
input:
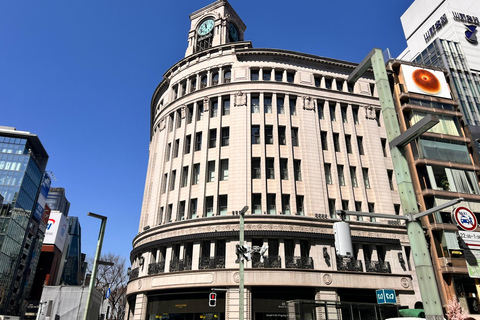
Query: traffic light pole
pixel 421 256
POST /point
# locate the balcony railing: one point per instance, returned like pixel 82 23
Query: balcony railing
pixel 378 266
pixel 156 268
pixel 134 274
pixel 212 263
pixel 268 262
pixel 299 262
pixel 180 265
pixel 349 264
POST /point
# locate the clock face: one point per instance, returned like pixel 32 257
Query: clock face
pixel 206 27
pixel 233 32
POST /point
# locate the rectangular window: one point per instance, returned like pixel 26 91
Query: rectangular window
pixel 198 141
pixel 358 208
pixel 224 170
pixel 269 134
pixel 193 84
pixel 384 146
pixel 164 183
pixel 328 83
pixel 332 107
pixel 348 143
pixel 320 104
pixel 331 208
pixel 270 168
pixel 178 119
pixel 285 203
pixel 255 104
pixel 293 106
pixel 371 209
pixel 189 115
pixel 360 146
pixel 278 75
pixel 345 205
pixel 350 87
pixel 209 206
pixel 223 204
pixel 188 144
pixel 167 153
pixel 341 177
pixel 267 74
pixel 225 106
pixel 184 176
pixel 169 213
pixel 267 104
pixel 280 105
pixel 290 76
pixel 181 211
pixel 396 207
pixel 175 148
pixel 199 111
pixel 366 180
pixel 256 172
pixel 212 143
pixel 271 203
pixel 355 114
pixel 353 176
pixel 390 179
pixel 257 203
pixel 196 174
pixel 328 173
pixel 173 176
pixel 336 142
pixel 377 117
pixel 282 138
pixel 339 84
pixel 170 122
pixel 255 134
pixel 300 208
pixel 193 208
pixel 343 109
pixel 295 137
pixel 323 137
pixel 297 168
pixel 317 80
pixel 225 136
pixel 254 74
pixel 211 171
pixel 284 169
pixel 213 108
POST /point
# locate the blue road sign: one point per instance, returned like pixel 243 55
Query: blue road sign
pixel 386 296
pixel 107 295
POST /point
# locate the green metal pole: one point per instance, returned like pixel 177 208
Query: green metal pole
pixel 421 256
pixel 94 271
pixel 241 271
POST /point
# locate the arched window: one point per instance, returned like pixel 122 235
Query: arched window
pixel 215 78
pixel 227 76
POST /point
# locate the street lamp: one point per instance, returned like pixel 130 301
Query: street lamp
pixel 95 260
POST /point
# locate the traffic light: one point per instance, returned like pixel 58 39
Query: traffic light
pixel 212 300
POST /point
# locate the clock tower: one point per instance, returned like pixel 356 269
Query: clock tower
pixel 214 25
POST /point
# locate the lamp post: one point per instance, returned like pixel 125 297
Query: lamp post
pixel 95 261
pixel 241 307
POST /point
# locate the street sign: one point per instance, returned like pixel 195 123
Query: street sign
pixel 107 295
pixel 464 218
pixel 386 296
pixel 471 239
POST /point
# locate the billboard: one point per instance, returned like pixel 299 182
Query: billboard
pixel 42 197
pixel 426 81
pixel 57 230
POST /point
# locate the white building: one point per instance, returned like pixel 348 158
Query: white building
pixel 280 132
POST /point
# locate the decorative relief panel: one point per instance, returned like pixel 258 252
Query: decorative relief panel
pixel 308 103
pixel 240 99
pixel 206 103
pixel 183 112
pixel 162 124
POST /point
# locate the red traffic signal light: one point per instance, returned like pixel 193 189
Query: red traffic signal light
pixel 212 299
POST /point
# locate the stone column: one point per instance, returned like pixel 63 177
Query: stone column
pixel 196 255
pixel 232 304
pixel 168 258
pixel 322 295
pixel 140 307
pixel 281 252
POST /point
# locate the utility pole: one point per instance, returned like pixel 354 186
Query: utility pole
pixel 421 256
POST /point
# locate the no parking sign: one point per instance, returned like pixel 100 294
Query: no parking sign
pixel 464 218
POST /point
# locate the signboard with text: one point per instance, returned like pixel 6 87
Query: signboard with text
pixel 57 230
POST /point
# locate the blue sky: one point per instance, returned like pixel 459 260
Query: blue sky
pixel 80 75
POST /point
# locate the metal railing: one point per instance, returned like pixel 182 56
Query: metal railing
pixel 212 263
pixel 268 262
pixel 134 274
pixel 349 264
pixel 378 266
pixel 180 265
pixel 299 262
pixel 156 268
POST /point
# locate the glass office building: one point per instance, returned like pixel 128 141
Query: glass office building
pixel 22 165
